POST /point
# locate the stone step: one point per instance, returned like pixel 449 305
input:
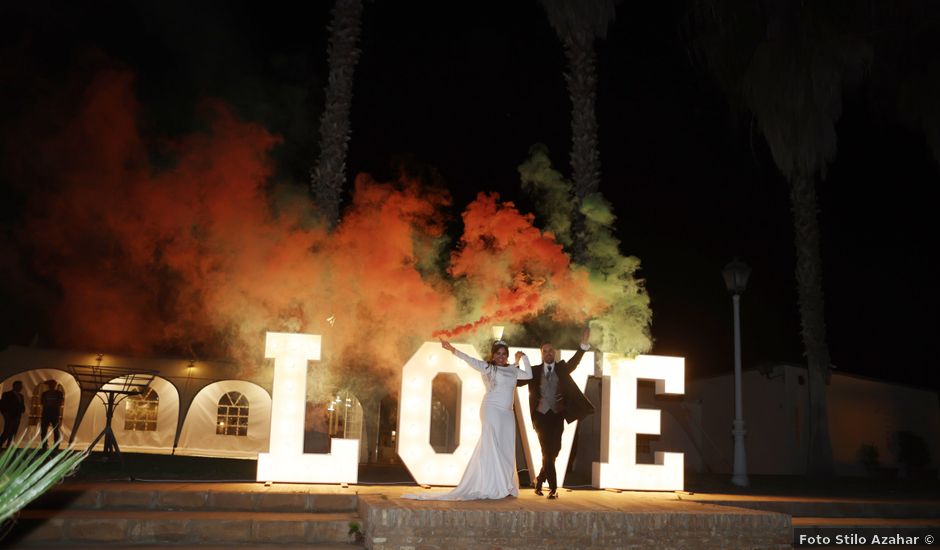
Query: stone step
pixel 833 508
pixel 596 520
pixel 115 528
pixel 246 497
pixel 855 531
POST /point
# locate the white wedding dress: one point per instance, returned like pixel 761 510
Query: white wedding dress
pixel 491 472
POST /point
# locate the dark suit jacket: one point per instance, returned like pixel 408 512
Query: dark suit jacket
pixel 575 405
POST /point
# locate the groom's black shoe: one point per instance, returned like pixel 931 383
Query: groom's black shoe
pixel 538 486
pixel 553 494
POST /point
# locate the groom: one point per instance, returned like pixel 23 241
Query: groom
pixel 554 398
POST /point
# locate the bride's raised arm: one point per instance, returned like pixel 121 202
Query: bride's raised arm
pixel 525 370
pixel 477 364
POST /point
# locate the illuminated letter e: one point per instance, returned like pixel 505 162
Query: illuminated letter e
pixel 621 421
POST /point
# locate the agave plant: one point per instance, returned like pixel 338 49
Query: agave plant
pixel 27 472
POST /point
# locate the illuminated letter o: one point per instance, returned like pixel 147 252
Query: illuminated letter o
pixel 414 414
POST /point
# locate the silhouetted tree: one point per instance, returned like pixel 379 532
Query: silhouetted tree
pixel 578 24
pixel 329 174
pixel 788 63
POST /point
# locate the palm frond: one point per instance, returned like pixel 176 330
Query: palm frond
pixel 569 17
pixel 29 471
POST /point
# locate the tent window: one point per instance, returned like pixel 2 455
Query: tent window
pixel 140 412
pixel 35 402
pixel 233 415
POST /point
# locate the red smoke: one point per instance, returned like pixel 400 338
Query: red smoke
pixel 197 255
pixel 516 269
pixel 136 250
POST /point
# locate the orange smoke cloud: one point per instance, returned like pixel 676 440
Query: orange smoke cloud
pixel 517 269
pixel 191 257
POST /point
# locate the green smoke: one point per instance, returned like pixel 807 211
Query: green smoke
pixel 551 192
pixel 624 325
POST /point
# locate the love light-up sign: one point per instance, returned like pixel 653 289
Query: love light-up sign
pixel 286 460
pixel 621 420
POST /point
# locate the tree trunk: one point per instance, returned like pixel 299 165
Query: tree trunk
pixel 812 317
pixel 370 428
pixel 329 174
pixel 582 87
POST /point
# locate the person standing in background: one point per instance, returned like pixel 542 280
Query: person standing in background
pixel 51 400
pixel 12 406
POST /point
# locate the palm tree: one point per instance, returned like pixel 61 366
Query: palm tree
pixel 578 23
pixel 329 174
pixel 788 63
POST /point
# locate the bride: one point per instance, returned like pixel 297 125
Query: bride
pixel 491 472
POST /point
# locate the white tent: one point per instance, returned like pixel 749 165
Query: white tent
pixel 142 424
pixel 223 402
pixel 33 382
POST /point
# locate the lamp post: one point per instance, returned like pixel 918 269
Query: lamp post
pixel 736 274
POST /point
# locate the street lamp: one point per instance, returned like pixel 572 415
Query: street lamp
pixel 736 274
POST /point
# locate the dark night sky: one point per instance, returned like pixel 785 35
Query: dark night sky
pixel 464 90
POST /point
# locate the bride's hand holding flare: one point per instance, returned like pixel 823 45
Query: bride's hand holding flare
pixel 446 345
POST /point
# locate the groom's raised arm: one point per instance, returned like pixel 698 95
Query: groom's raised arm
pixel 572 364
